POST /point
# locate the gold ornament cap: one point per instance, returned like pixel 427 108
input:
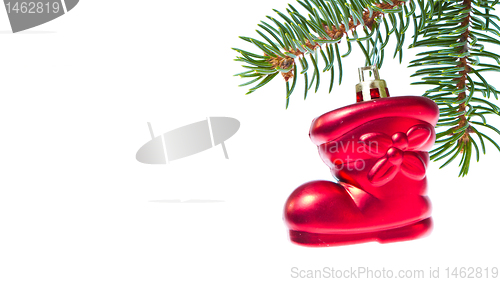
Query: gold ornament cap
pixel 370 89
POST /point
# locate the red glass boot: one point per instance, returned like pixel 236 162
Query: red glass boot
pixel 377 149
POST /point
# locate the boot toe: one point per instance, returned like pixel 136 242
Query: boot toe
pixel 319 206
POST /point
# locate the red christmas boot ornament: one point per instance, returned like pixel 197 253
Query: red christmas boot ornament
pixel 377 149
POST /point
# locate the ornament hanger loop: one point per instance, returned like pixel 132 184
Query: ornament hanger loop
pixel 372 68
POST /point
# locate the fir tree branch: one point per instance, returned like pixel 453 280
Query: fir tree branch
pixel 306 39
pixel 457 36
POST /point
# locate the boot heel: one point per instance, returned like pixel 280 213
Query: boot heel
pixel 405 233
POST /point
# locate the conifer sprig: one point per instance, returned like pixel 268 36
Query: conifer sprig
pixel 294 39
pixel 456 33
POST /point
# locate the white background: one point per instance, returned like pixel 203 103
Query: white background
pixel 75 205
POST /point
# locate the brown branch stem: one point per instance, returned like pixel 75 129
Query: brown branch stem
pixel 462 81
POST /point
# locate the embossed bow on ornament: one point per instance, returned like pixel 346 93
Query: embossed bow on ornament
pixel 396 154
